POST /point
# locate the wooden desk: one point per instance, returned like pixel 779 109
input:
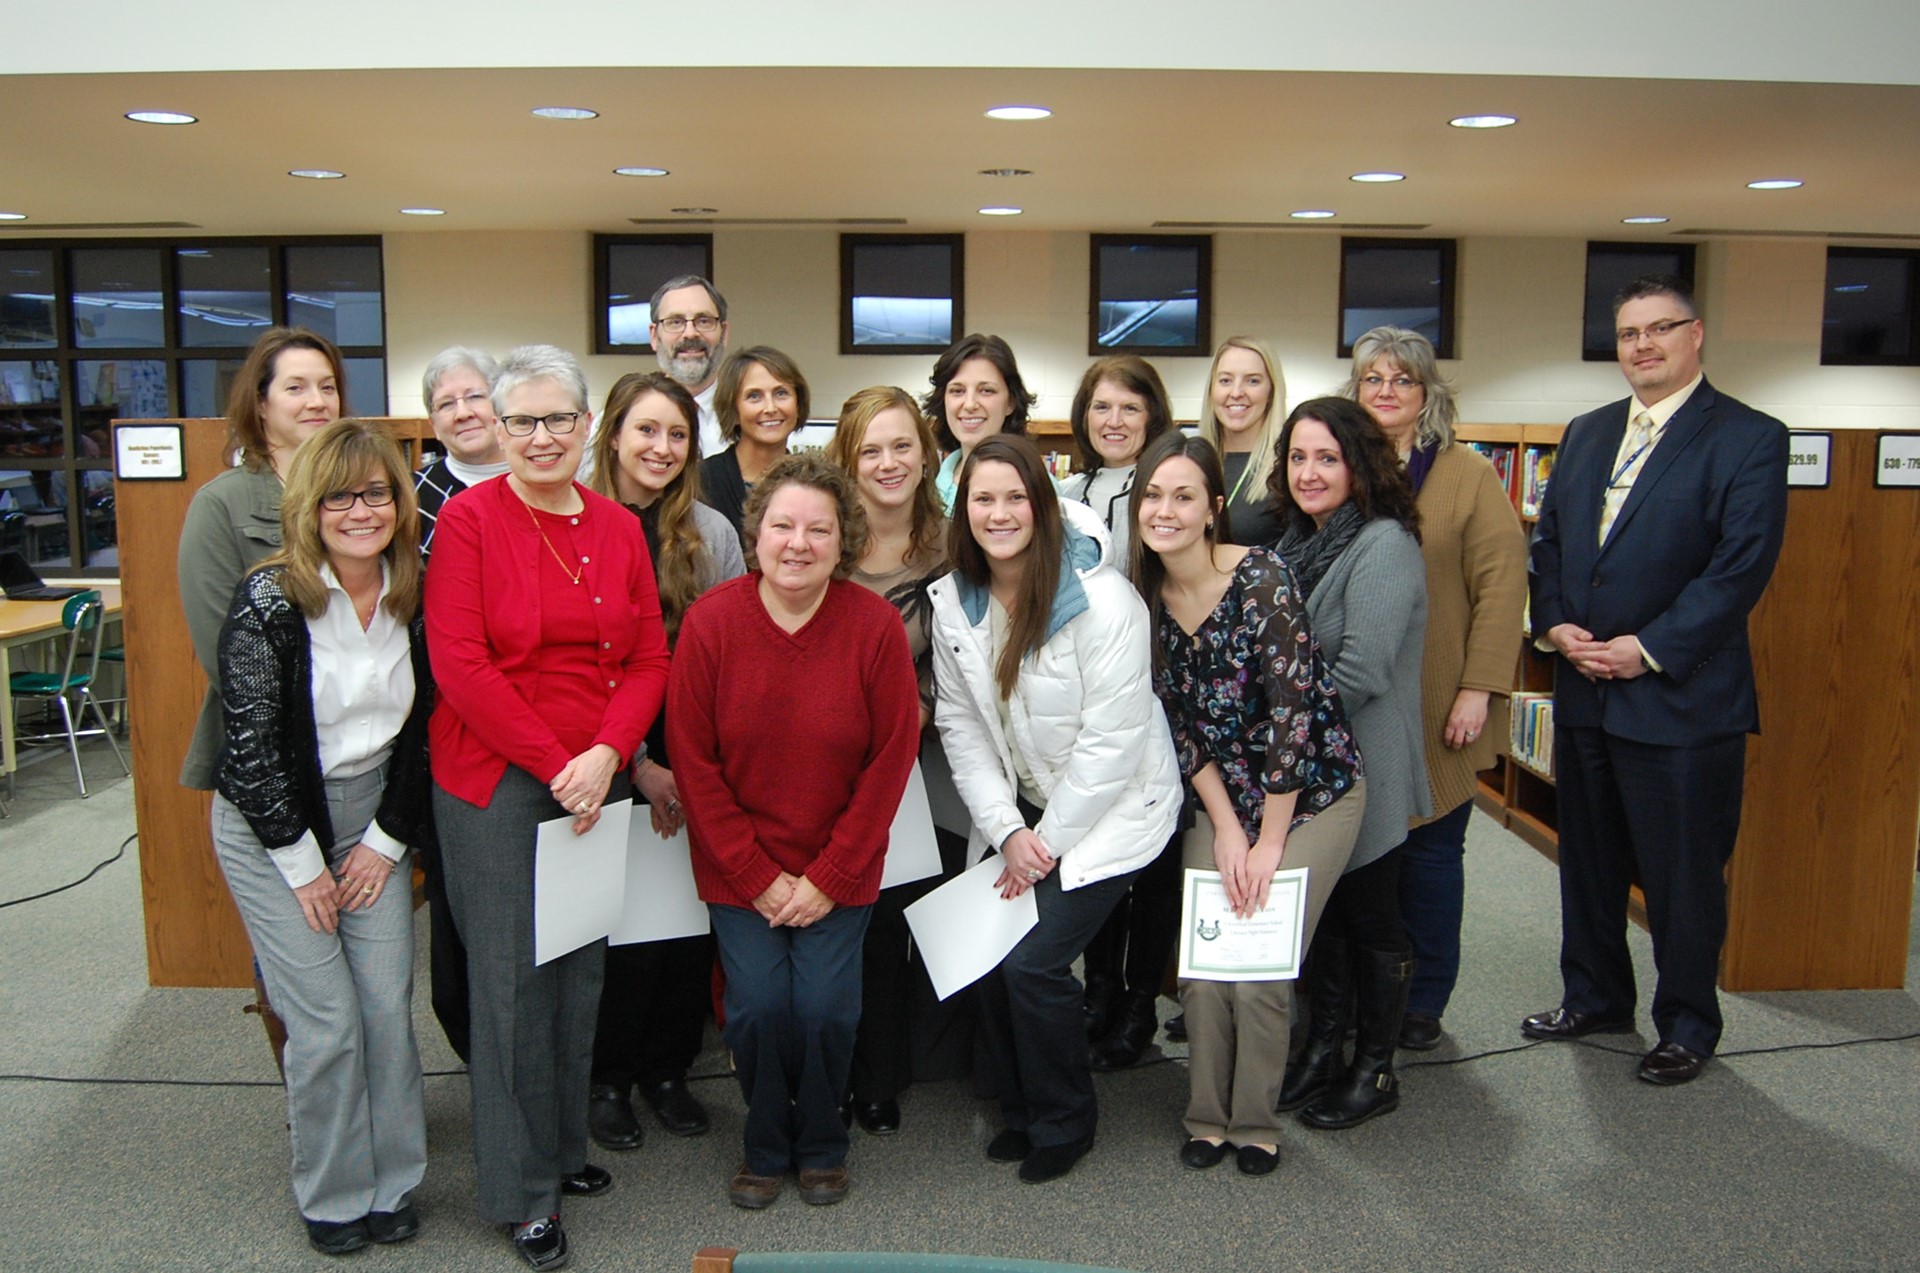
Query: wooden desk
pixel 24 623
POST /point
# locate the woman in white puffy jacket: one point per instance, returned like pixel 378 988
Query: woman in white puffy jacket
pixel 1042 666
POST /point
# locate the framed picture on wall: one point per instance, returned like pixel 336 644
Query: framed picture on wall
pixel 627 269
pixel 901 293
pixel 1151 294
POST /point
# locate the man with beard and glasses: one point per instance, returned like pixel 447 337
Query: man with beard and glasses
pixel 689 335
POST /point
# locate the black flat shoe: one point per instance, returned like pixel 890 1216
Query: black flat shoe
pixel 1420 1032
pixel 1255 1161
pixel 878 1118
pixel 337 1237
pixel 1050 1162
pixel 541 1243
pixel 393 1226
pixel 1009 1146
pixel 610 1119
pixel 678 1110
pixel 1670 1065
pixel 1201 1154
pixel 587 1181
pixel 1177 1028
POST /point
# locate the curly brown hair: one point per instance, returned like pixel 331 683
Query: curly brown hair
pixel 816 472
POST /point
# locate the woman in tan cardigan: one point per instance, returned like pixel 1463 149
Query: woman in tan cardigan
pixel 1476 559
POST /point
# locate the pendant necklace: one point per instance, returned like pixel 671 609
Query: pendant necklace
pixel 573 576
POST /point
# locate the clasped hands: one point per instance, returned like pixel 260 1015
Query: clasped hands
pixel 1246 870
pixel 581 785
pixel 360 882
pixel 1027 863
pixel 1615 660
pixel 792 901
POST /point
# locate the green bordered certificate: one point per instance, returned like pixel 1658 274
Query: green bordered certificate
pixel 1217 945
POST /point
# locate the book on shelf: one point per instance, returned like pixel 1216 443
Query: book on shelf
pixel 1536 467
pixel 1500 455
pixel 1531 722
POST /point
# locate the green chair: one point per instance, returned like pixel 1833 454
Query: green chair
pixel 69 688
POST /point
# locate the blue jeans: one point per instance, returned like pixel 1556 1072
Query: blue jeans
pixel 1433 893
pixel 793 1005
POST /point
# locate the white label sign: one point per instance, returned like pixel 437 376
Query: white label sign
pixel 1809 459
pixel 149 452
pixel 1898 461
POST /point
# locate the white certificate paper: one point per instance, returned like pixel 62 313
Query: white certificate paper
pixel 1217 945
pixel 965 928
pixel 660 902
pixel 579 882
pixel 912 852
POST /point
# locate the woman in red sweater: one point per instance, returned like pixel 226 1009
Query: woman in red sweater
pixel 793 720
pixel 543 619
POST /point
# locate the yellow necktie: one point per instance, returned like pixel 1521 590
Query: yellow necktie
pixel 1634 451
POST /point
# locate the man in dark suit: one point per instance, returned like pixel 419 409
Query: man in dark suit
pixel 1657 535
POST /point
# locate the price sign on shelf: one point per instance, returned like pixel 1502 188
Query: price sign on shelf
pixel 1897 461
pixel 1809 459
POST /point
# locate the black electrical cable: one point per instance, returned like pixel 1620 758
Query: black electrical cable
pixel 120 853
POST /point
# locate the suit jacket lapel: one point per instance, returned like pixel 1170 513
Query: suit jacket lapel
pixel 1582 514
pixel 1681 430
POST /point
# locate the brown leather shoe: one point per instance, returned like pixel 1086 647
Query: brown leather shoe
pixel 751 1191
pixel 1670 1065
pixel 824 1186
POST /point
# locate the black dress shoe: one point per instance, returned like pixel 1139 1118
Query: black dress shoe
pixel 587 1181
pixel 1670 1065
pixel 541 1243
pixel 1177 1028
pixel 878 1118
pixel 1201 1154
pixel 337 1237
pixel 393 1226
pixel 1255 1161
pixel 610 1119
pixel 1564 1023
pixel 1419 1032
pixel 676 1108
pixel 1050 1162
pixel 1009 1145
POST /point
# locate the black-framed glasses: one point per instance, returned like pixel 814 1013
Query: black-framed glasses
pixel 379 495
pixel 451 406
pixel 1400 383
pixel 705 324
pixel 1659 331
pixel 557 423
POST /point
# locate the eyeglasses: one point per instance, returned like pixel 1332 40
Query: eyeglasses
pixel 451 406
pixel 1400 383
pixel 1658 331
pixel 376 496
pixel 705 324
pixel 559 422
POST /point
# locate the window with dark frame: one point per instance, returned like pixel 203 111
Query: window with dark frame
pixel 1397 283
pixel 901 293
pixel 627 270
pixel 98 330
pixel 1610 267
pixel 1871 313
pixel 1150 294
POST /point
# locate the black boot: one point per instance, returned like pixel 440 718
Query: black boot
pixel 1102 997
pixel 1369 1087
pixel 1329 983
pixel 1134 1026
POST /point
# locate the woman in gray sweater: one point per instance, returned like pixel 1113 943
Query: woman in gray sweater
pixel 1352 538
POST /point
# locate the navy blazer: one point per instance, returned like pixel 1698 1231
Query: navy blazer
pixel 1689 556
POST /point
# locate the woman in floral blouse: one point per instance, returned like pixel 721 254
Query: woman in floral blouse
pixel 1267 751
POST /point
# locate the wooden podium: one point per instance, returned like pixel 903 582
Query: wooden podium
pixel 194 935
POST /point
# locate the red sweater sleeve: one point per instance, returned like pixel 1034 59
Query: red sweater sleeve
pixel 466 679
pixel 844 869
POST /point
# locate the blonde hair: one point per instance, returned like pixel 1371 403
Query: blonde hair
pixel 338 458
pixel 1266 430
pixel 850 434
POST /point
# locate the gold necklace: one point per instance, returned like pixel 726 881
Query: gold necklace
pixel 573 576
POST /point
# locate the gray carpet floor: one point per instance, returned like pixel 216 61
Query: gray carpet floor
pixel 1541 1156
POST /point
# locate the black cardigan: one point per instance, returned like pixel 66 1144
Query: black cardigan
pixel 270 766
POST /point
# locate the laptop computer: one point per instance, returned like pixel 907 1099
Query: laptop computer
pixel 23 582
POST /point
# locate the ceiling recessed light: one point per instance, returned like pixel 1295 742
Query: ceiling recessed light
pixel 1643 220
pixel 639 172
pixel 565 112
pixel 316 174
pixel 1019 112
pixel 1312 214
pixel 160 117
pixel 13 216
pixel 693 212
pixel 1775 183
pixel 1378 177
pixel 1006 172
pixel 423 212
pixel 1483 121
pixel 1000 212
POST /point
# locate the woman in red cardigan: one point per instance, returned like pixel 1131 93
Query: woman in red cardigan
pixel 544 622
pixel 793 721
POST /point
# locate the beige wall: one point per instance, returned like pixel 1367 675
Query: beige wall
pixel 1519 318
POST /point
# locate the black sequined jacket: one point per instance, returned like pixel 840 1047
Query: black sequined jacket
pixel 270 765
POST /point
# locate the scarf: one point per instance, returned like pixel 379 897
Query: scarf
pixel 1312 553
pixel 1419 464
